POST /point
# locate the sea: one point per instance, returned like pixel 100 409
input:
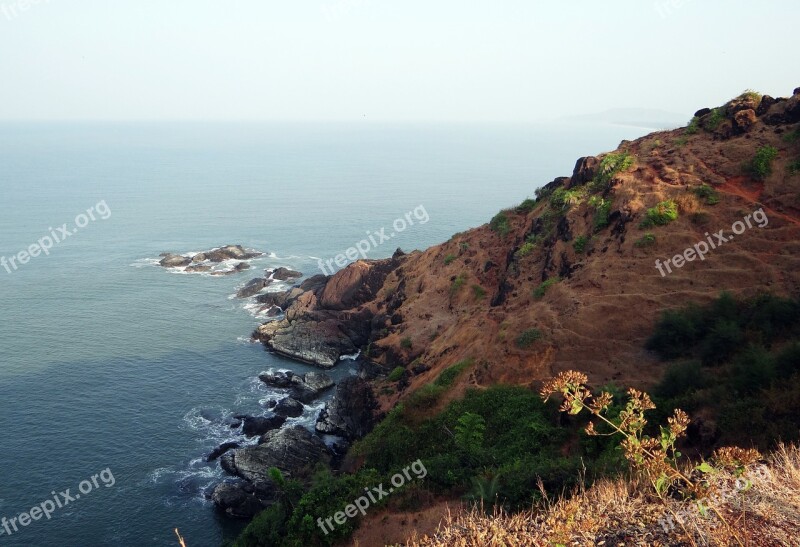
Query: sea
pixel 118 376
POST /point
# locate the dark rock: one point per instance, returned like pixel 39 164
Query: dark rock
pixel 319 343
pixel 420 369
pixel 198 268
pixel 271 403
pixel 282 274
pixel 398 253
pixel 702 112
pixel 350 414
pixel 289 407
pixel 229 252
pixel 766 103
pixel 253 426
pixel 228 462
pixel 175 261
pixel 293 450
pixel 221 449
pixel 584 171
pixel 314 283
pixel 796 91
pixel 236 424
pixel 235 501
pixel 199 257
pixel 277 379
pixel 253 287
pixel 241 266
pixel 309 386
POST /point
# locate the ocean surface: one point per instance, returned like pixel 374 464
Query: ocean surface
pixel 112 367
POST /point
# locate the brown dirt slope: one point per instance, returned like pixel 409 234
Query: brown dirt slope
pixel 473 296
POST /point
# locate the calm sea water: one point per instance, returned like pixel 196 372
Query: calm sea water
pixel 108 362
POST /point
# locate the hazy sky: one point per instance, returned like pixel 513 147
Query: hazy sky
pixel 407 60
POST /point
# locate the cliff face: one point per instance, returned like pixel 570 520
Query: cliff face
pixel 570 280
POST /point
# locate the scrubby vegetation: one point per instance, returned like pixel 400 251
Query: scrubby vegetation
pixel 707 193
pixel 602 211
pixel 693 127
pixel 716 118
pixel 500 224
pixel 580 244
pixel 396 374
pixel 449 259
pixel 792 136
pixel 458 283
pixel 794 167
pixel 647 240
pixel 610 166
pixel 660 215
pixel 527 338
pixel 526 249
pixel 737 361
pixel 541 290
pixel 478 292
pixel 526 206
pixel 405 343
pixel 760 167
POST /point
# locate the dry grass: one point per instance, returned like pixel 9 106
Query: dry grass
pixel 626 513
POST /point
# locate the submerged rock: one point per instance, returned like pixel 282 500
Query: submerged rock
pixel 220 450
pixel 253 287
pixel 253 426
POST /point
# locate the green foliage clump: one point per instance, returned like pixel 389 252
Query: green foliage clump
pixel 526 206
pixel 580 244
pixel 792 136
pixel 524 250
pixel 716 118
pixel 502 432
pixel 449 259
pixel 405 343
pixel 602 212
pixel 500 224
pixel 541 290
pixel 527 338
pixel 693 127
pixel 794 167
pixel 396 374
pixel 750 94
pixel 610 166
pixel 760 167
pixel 449 375
pixel 707 193
pixel 458 283
pixel 478 292
pixel 660 215
pixel 647 240
pixel 736 361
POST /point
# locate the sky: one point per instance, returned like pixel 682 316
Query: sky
pixel 386 60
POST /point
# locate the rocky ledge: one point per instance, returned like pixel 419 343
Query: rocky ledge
pixel 324 317
pixel 205 261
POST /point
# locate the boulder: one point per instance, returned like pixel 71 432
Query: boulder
pixel 198 268
pixel 309 386
pixel 289 407
pixel 253 426
pixel 350 414
pixel 319 343
pixel 229 252
pixel 253 287
pixel 293 450
pixel 237 500
pixel 221 449
pixel 174 261
pixel 743 120
pixel 282 274
pixel 241 266
pixel 277 379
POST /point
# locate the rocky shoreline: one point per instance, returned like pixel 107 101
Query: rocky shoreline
pixel 309 324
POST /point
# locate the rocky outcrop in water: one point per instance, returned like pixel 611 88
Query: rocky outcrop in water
pixel 351 412
pixel 203 261
pixel 305 388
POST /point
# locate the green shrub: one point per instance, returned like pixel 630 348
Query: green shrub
pixel 602 212
pixel 707 193
pixel 526 206
pixel 449 259
pixel 660 215
pixel 526 249
pixel 449 375
pixel 647 240
pixel 458 283
pixel 760 167
pixel 396 374
pixel 478 292
pixel 792 136
pixel 527 338
pixel 751 95
pixel 693 127
pixel 580 244
pixel 681 141
pixel 794 167
pixel 405 343
pixel 500 224
pixel 682 378
pixel 541 290
pixel 609 167
pixel 716 118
